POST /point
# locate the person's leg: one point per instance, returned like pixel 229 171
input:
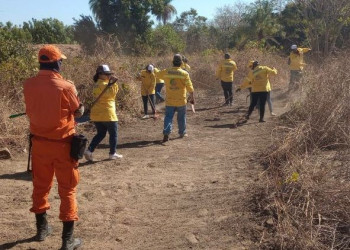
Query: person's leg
pixel 151 101
pixel 229 92
pixel 269 102
pixel 168 119
pixel 42 173
pixel 226 95
pixel 112 128
pixel 42 177
pixel 101 133
pixel 159 96
pixel 262 97
pixel 255 98
pixel 145 106
pixel 181 120
pixel 67 175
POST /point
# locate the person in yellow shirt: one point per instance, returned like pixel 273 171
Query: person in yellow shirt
pixel 258 81
pixel 103 113
pixel 177 85
pixel 296 64
pixel 225 72
pixel 247 81
pixel 185 65
pixel 159 87
pixel 148 84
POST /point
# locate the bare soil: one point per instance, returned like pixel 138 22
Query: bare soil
pixel 190 193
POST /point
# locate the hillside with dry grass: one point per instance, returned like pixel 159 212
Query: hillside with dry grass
pixel 280 185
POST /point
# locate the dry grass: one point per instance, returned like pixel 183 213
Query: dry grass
pixel 305 189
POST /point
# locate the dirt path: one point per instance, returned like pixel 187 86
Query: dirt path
pixel 190 193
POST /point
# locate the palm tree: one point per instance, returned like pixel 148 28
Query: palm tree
pixel 167 12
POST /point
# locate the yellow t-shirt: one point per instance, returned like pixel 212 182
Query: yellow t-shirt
pixel 104 110
pixel 148 83
pixel 226 69
pixel 177 83
pixel 258 79
pixel 297 59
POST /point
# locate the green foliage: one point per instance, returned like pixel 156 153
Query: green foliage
pixel 49 31
pixel 86 33
pixel 127 19
pixel 165 39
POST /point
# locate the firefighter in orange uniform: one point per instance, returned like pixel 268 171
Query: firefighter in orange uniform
pixel 51 105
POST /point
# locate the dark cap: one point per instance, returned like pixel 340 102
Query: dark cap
pixel 177 58
pixel 227 56
pixel 103 69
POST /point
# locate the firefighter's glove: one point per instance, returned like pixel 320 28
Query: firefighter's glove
pixel 112 81
pixel 80 111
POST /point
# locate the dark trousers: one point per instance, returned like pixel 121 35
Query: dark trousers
pixel 102 128
pixel 227 88
pixel 145 105
pixel 260 97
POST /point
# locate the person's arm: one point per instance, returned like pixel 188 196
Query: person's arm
pixel 272 71
pixel 152 83
pixel 305 50
pixel 218 72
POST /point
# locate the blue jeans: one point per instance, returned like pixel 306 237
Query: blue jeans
pixel 102 128
pixel 159 96
pixel 181 119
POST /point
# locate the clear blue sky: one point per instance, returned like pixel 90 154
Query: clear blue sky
pixel 19 11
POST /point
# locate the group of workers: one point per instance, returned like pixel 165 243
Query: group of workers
pixel 52 104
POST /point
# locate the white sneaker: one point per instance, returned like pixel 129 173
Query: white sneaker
pixel 145 117
pixel 115 156
pixel 88 155
pixel 273 114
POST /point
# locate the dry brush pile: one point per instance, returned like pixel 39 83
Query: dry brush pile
pixel 304 194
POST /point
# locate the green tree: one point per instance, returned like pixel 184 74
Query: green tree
pixel 326 20
pixel 127 19
pixel 165 39
pixel 86 33
pixel 49 30
pixel 165 11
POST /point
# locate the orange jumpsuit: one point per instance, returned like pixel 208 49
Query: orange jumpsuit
pixel 50 104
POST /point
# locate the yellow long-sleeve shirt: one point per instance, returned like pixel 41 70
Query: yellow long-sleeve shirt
pixel 177 84
pixel 104 110
pixel 185 66
pixel 258 79
pixel 158 80
pixel 148 83
pixel 225 70
pixel 296 60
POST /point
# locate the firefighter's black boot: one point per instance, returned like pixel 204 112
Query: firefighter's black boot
pixel 42 227
pixel 68 242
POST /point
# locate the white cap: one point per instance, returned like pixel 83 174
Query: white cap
pixel 294 46
pixel 150 68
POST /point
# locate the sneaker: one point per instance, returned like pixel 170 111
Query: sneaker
pixel 115 156
pixel 166 138
pixel 261 120
pixel 145 117
pixel 272 114
pixel 88 155
pixel 183 135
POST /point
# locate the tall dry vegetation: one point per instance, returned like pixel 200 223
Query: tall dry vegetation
pixel 303 196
